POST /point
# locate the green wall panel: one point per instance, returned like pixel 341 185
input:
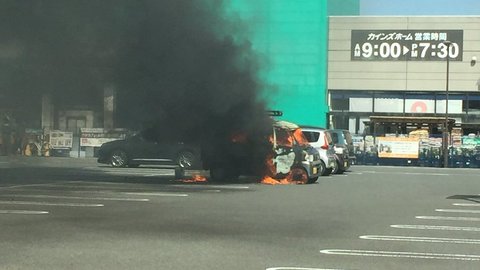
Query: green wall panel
pixel 292 38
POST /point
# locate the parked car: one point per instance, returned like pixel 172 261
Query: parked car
pixel 288 153
pixel 321 139
pixel 145 149
pixel 344 149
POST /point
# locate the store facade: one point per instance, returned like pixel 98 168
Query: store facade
pixel 397 66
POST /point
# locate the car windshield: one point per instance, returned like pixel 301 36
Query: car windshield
pixel 335 138
pixel 283 137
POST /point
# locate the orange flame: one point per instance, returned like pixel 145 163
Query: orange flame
pixel 270 170
pixel 195 179
pixel 301 139
pixel 268 180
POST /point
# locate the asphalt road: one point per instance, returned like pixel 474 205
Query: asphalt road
pixel 65 213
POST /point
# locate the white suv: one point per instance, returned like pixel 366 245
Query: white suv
pixel 320 139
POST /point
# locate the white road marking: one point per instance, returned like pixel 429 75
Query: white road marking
pixel 23 212
pixel 29 185
pixel 458 211
pixel 411 173
pixel 438 174
pixel 400 254
pixel 211 190
pixel 210 186
pixel 420 239
pixel 108 192
pixel 433 227
pixel 298 268
pixel 449 218
pixel 139 173
pixel 467 204
pixel 156 194
pixel 74 197
pixel 53 204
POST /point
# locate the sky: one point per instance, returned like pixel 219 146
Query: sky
pixel 419 7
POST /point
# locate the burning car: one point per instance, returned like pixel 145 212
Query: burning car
pixel 285 156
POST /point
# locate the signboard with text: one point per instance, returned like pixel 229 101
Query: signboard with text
pixel 398 147
pixel 60 139
pixel 406 45
pixel 95 137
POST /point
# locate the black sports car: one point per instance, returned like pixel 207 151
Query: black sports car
pixel 140 149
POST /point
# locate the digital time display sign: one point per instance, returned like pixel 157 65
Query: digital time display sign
pixel 406 45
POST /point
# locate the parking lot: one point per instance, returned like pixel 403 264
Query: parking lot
pixel 78 215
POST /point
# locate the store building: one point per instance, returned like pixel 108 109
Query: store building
pixel 397 66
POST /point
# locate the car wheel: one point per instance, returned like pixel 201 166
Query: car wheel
pixel 339 169
pixel 336 168
pixel 324 171
pixel 118 159
pixel 299 175
pixel 186 159
pixel 322 168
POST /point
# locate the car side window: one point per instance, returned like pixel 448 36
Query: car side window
pixel 311 135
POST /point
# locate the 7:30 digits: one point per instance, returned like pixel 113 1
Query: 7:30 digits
pixel 416 50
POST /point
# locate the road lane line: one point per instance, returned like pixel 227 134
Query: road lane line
pixel 467 204
pixel 458 211
pixel 156 194
pixel 401 254
pixel 74 197
pixel 28 185
pixel 436 174
pixel 53 204
pixel 23 212
pixel 109 192
pixel 420 239
pixel 448 218
pixel 434 227
pixel 298 268
pixel 209 187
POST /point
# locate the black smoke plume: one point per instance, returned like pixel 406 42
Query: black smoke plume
pixel 181 68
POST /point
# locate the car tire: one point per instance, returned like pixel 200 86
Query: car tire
pixel 322 168
pixel 186 160
pixel 336 168
pixel 312 180
pixel 118 159
pixel 299 175
pixel 325 171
